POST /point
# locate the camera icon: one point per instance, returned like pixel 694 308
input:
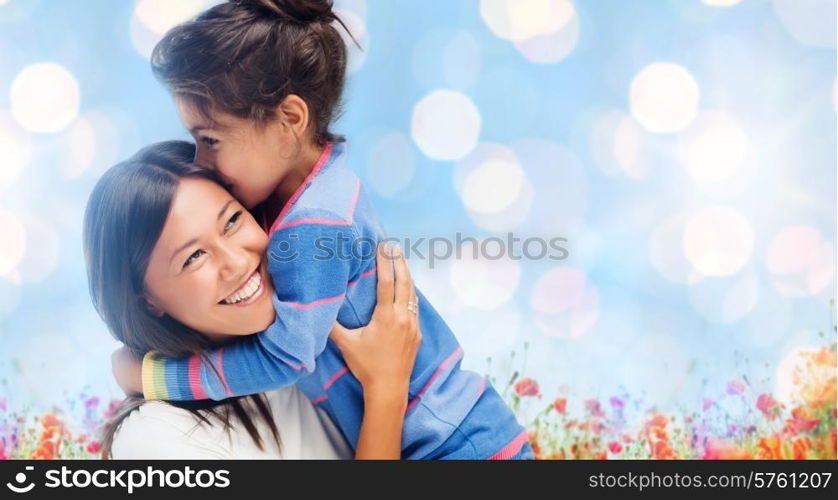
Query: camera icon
pixel 20 478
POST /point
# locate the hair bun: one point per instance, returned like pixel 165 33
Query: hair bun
pixel 301 11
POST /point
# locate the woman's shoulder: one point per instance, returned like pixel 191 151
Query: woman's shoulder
pixel 160 430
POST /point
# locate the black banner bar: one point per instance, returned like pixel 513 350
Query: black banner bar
pixel 277 479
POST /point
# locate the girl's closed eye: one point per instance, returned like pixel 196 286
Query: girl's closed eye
pixel 233 220
pixel 209 141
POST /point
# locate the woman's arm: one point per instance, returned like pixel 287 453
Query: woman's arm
pixel 381 356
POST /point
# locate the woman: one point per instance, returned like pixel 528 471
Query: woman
pixel 155 296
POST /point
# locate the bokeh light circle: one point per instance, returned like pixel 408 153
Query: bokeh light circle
pixel 42 250
pixel 13 242
pixel 494 188
pixel 391 164
pixel 358 28
pixel 111 128
pixel 484 282
pixel 720 3
pixel 15 151
pixel 618 146
pixel 9 297
pixel 666 252
pixel 487 335
pixel 801 261
pixel 725 300
pixel 715 147
pixel 718 241
pixel 45 97
pixel 161 15
pixel 151 20
pixel 795 363
pixel 517 20
pixel 564 303
pixel 560 187
pixel 810 22
pixel 664 97
pixel 445 125
pixel 447 58
pixel 81 147
pixel 551 47
pixel 461 61
pixel 13 159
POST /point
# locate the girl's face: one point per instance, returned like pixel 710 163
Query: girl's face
pixel 208 268
pixel 252 159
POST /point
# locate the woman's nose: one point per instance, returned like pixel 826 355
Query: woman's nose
pixel 234 264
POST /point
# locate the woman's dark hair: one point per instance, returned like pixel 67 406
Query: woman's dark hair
pixel 123 220
pixel 243 57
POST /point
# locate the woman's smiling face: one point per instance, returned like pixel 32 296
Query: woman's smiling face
pixel 208 268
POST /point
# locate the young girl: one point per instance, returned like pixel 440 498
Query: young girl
pixel 257 83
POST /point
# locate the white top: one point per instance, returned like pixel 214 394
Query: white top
pixel 158 430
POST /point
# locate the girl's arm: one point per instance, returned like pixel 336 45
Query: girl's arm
pixel 381 356
pixel 312 265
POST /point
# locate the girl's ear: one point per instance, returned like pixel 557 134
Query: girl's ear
pixel 293 112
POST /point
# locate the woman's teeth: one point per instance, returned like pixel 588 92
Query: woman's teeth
pixel 246 291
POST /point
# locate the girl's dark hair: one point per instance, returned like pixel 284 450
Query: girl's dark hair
pixel 243 57
pixel 123 220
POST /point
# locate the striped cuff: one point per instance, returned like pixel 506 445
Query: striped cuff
pixel 154 383
pixel 512 449
pixel 171 379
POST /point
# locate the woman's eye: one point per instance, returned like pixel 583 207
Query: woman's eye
pixel 232 221
pixel 192 258
pixel 209 141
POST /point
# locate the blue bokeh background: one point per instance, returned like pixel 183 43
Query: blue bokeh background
pixel 696 255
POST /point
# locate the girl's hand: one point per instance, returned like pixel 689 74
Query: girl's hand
pixel 128 371
pixel 381 355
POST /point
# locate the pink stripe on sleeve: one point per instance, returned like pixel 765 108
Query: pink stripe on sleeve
pixel 441 367
pixel 362 276
pixel 195 378
pixel 512 448
pixel 296 367
pixel 351 215
pixel 221 374
pixel 335 377
pixel 320 399
pixel 311 220
pixel 482 387
pixel 307 305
